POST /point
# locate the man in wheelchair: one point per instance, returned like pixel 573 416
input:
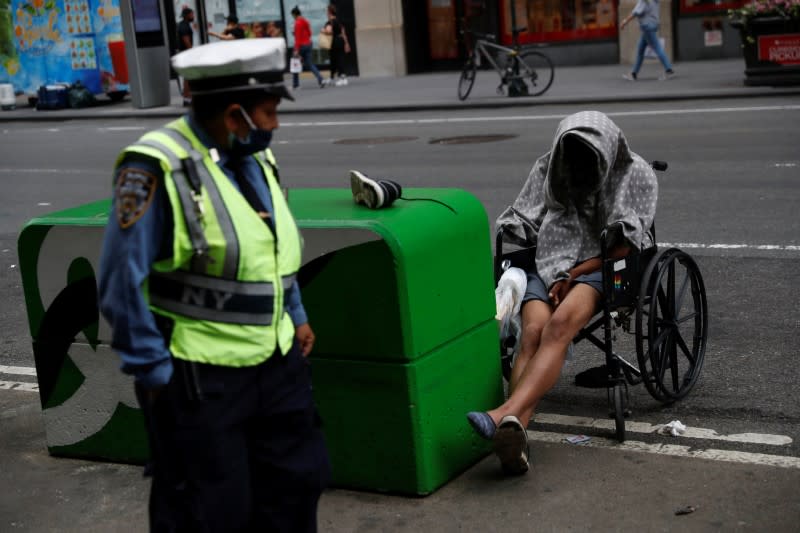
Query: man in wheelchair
pixel 588 181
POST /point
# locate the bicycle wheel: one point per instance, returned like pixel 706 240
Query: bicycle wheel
pixel 467 79
pixel 536 69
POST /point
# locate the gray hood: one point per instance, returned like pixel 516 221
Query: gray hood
pixel 563 212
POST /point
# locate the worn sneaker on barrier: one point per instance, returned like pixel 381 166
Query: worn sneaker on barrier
pixel 374 194
pixel 366 191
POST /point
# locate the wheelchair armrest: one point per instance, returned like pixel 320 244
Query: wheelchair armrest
pixel 524 258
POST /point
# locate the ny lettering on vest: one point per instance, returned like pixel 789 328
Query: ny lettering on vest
pixel 197 296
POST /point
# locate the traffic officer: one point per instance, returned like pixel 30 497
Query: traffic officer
pixel 198 282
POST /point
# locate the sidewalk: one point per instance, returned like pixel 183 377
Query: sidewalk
pixel 437 91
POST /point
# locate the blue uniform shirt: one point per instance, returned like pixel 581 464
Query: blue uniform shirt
pixel 127 256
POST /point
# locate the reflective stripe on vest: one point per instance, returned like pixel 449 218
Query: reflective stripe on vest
pixel 217 299
pixel 193 223
pixel 231 261
pixel 212 298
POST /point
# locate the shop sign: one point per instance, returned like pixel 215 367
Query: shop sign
pixel 782 49
pixel 712 38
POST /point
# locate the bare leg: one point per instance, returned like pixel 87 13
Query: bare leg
pixel 542 371
pixel 535 315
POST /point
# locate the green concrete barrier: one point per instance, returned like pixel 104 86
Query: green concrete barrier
pixel 401 301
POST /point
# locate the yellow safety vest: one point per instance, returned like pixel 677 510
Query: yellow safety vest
pixel 225 282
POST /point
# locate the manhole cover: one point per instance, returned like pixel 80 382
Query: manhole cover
pixel 472 139
pixel 375 140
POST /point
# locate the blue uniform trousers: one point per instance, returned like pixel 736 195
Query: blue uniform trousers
pixel 236 449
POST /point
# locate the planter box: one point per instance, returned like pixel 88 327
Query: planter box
pixel 771 47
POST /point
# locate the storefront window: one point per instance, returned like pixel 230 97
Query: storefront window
pixel 709 6
pixel 557 20
pixel 260 18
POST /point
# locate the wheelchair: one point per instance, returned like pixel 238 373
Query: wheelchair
pixel 656 295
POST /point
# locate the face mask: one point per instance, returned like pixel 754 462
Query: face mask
pixel 256 140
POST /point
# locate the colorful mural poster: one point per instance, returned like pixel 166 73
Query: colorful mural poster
pixel 62 41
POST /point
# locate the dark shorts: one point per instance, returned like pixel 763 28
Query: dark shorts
pixel 537 291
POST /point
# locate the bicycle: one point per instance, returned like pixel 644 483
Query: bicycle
pixel 521 65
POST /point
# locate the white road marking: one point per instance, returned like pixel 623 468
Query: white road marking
pixel 455 120
pixel 785 165
pixel 122 128
pixel 721 246
pixel 644 427
pixel 674 450
pixel 19 385
pixel 18 370
pixel 43 171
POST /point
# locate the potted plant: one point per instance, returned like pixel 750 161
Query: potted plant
pixel 770 32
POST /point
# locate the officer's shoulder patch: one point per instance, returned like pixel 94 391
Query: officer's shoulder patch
pixel 133 194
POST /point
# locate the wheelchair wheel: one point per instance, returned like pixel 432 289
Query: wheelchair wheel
pixel 671 325
pixel 617 396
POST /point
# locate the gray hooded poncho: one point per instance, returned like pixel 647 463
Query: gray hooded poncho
pixel 565 227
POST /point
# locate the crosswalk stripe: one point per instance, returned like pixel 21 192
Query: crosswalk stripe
pixel 675 450
pixel 644 427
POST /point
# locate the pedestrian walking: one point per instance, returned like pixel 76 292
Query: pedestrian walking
pixel 647 12
pixel 340 47
pixel 302 48
pixel 232 30
pixel 205 309
pixel 185 42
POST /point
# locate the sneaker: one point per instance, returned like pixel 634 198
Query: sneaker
pixel 374 194
pixel 340 82
pixel 365 190
pixel 343 80
pixel 511 446
pixel 668 75
pixel 321 83
pixel 630 77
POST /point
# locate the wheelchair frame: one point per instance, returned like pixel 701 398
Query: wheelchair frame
pixel 668 365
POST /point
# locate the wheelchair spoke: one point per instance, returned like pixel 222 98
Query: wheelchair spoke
pixel 671 291
pixel 662 303
pixel 681 294
pixel 690 316
pixel 684 348
pixel 662 364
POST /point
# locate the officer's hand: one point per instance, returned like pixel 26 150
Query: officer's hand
pixel 305 337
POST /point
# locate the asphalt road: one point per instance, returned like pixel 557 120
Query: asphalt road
pixel 729 198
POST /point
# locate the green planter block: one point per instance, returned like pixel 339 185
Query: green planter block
pixel 401 427
pixel 400 281
pixel 88 405
pixel 402 303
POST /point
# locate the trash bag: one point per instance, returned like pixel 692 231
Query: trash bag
pixel 509 292
pixel 79 96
